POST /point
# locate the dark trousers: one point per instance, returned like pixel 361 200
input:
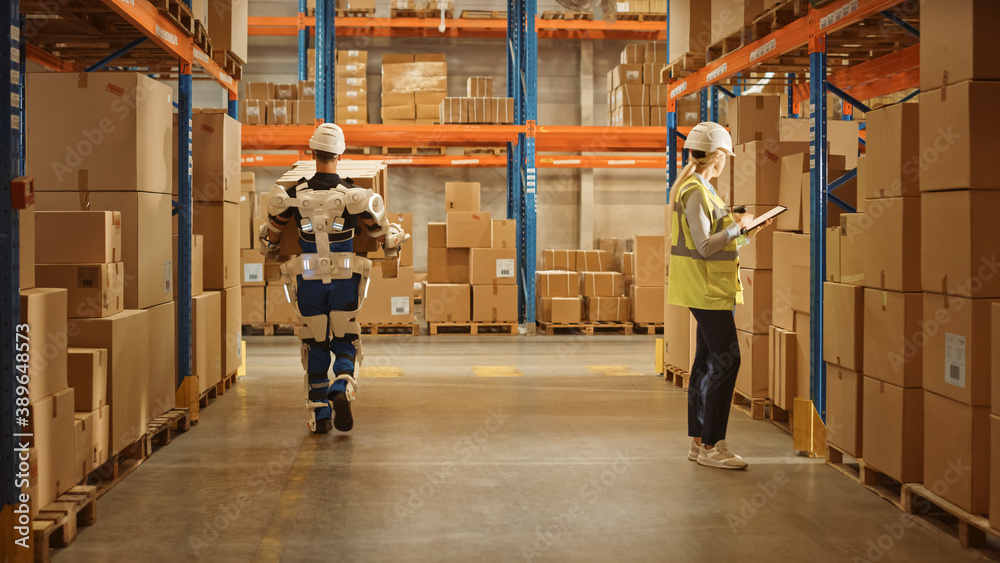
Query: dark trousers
pixel 713 375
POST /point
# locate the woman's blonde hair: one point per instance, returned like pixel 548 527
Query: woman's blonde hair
pixel 695 164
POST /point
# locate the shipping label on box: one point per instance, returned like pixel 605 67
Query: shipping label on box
pixel 492 266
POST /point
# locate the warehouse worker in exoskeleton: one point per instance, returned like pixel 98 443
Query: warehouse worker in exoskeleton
pixel 329 279
pixel 704 276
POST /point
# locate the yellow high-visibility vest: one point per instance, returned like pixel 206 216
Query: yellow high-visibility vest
pixel 694 280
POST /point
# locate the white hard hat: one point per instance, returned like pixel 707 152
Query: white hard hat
pixel 328 138
pixel 709 137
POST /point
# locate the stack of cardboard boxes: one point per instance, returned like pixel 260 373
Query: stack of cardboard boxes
pixel 731 17
pixel 350 5
pixel 471 263
pixel 278 103
pixel 590 286
pixel 690 24
pixel 390 299
pixel 351 91
pixel 648 268
pixel 479 105
pixel 959 192
pixel 251 260
pixel 413 86
pixel 636 94
pixel 641 7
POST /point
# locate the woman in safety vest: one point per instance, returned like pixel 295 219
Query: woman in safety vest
pixel 704 276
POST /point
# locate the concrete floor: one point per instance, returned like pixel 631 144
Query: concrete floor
pixel 561 464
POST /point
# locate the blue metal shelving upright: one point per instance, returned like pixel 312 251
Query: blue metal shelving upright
pixel 522 85
pixel 325 62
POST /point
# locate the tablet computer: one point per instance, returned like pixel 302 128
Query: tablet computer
pixel 763 218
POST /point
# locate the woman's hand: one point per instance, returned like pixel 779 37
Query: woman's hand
pixel 744 220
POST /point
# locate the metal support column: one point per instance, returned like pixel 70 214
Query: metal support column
pixel 704 100
pixel 818 187
pixel 234 105
pixel 10 301
pixel 790 91
pixel 671 145
pixel 303 41
pixel 325 62
pixel 184 205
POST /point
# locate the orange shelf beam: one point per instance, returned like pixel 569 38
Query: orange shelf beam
pixel 887 74
pixel 458 27
pixel 475 161
pixel 820 21
pixel 49 61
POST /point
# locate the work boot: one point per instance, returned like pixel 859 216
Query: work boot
pixel 342 418
pixel 323 426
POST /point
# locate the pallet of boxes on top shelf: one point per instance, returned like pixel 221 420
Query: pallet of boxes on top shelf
pixel 583 290
pixel 422 8
pixel 279 103
pixel 636 94
pixel 478 106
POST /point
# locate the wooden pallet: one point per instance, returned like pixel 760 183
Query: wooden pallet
pixel 843 462
pixel 161 428
pixel 944 517
pixel 882 485
pixel 414 151
pixel 177 11
pixel 435 13
pixel 778 17
pixel 588 16
pixel 228 63
pixel 686 64
pixel 394 328
pixel 360 13
pixel 56 524
pixel 649 328
pixel 641 17
pixel 780 417
pixel 226 384
pixel 493 151
pixel 472 328
pixel 680 377
pixel 728 44
pixel 754 407
pixel 271 329
pixel 202 40
pixel 484 14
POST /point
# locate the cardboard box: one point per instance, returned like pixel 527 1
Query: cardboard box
pixel 651 74
pixel 469 229
pixel 607 309
pixel 232 330
pixel 504 233
pixel 197 264
pixel 437 235
pixel 216 148
pixel 284 91
pixel 633 53
pixel 83 440
pixel 93 290
pixel 647 304
pixel 53 438
pixel 494 303
pixel 493 266
pixel 783 366
pixel 659 96
pixel 893 433
pixel 755 314
pixel 676 336
pixel 503 109
pixel 657 117
pixel 115 136
pixel 87 374
pixel 754 118
pixel 594 260
pixel 278 310
pixel 450 302
pixel 462 196
pixel 126 338
pixel 958 239
pixel 26 244
pixel 601 284
pixel 690 27
pixel 415 76
pixel 731 16
pixel 253 112
pixel 307 89
pixel 631 116
pixel 650 257
pixel 453 110
pixel 757 171
pixel 44 311
pixel 960 40
pixel 894 346
pixel 994 471
pixel 560 310
pixel 305 112
pixel 954 126
pixel 252 268
pixel 281 112
pixel 844 409
pixel 479 86
pixel 349 56
pixel 557 284
pixel 833 254
pixel 480 110
pixel 206 322
pixel 258 90
pixel 794 192
pixel 848 192
pixel 893 140
pixel 803 357
pixel 228 21
pixel 390 300
pixel 852 248
pixel 359 112
pixel 252 304
pixel 957 435
pixel 892 252
pixel 77 237
pixel 752 379
pixel 218 223
pixel 632 95
pixel 628 264
pixel 352 70
pixel 248 211
pixel 843 325
pixel 758 253
pixel 145 220
pixel 995 337
pixel 162 390
pixel 791 289
pixel 627 74
pixel 956 339
pixel 564 260
pixel 656 52
pixel 448 265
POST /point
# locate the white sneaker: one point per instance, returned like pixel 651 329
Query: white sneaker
pixel 694 451
pixel 720 457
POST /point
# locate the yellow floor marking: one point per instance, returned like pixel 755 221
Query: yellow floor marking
pixel 613 370
pixel 497 371
pixel 283 518
pixel 388 371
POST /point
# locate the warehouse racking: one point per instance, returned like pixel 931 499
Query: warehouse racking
pixel 806 45
pixel 144 38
